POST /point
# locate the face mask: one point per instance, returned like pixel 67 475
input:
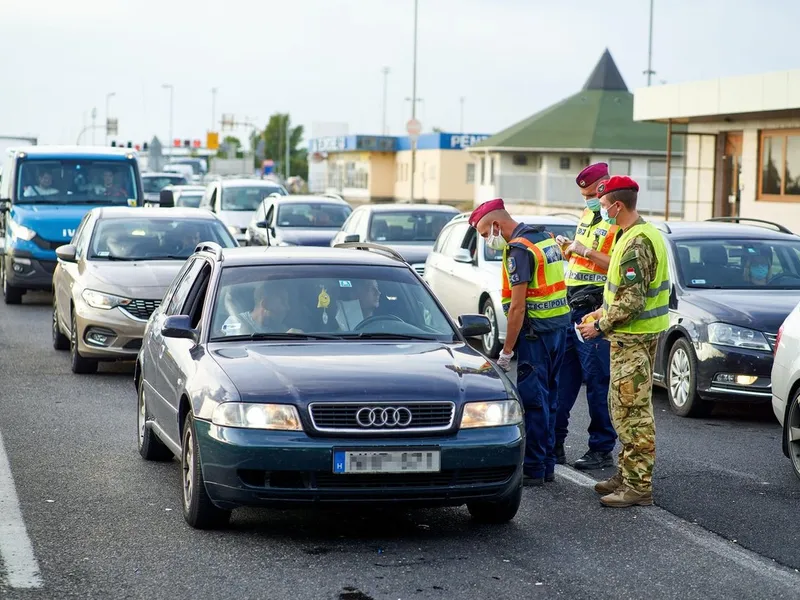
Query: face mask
pixel 759 271
pixel 606 216
pixel 593 204
pixel 495 242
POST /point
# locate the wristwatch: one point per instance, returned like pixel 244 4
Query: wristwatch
pixel 597 327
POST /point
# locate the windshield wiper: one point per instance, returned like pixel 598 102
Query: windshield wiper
pixel 390 336
pixel 119 258
pixel 166 257
pixel 277 336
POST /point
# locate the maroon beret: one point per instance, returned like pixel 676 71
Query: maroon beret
pixel 591 174
pixel 484 209
pixel 615 184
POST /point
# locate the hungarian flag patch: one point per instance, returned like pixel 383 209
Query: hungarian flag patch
pixel 630 274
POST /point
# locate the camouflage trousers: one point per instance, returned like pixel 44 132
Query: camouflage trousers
pixel 630 404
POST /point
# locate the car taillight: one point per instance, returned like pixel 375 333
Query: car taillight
pixel 778 340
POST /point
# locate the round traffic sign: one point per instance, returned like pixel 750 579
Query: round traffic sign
pixel 413 127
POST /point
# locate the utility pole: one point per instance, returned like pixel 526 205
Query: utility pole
pixel 94 118
pixel 286 169
pixel 385 71
pixel 461 122
pixel 414 103
pixel 214 109
pixel 650 71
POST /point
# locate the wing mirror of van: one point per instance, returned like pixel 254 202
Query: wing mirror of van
pixel 166 199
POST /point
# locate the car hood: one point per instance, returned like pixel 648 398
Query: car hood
pixel 53 222
pixel 237 218
pixel 317 236
pixel 411 253
pixel 147 280
pixel 763 310
pixel 352 371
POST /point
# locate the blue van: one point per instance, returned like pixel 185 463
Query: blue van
pixel 44 193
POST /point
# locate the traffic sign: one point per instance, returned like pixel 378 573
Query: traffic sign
pixel 112 126
pixel 413 128
pixel 212 140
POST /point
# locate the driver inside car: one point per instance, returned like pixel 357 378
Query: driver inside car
pixel 367 298
pixel 270 309
pixel 758 268
pixel 45 187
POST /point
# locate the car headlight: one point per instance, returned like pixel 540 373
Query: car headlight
pixel 491 414
pixel 97 299
pixel 252 415
pixel 20 231
pixel 738 337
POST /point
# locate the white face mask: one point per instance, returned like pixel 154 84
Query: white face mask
pixel 495 242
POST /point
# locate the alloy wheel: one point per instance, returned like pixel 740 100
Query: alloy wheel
pixel 679 377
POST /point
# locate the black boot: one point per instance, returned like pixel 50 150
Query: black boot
pixel 594 460
pixel 561 457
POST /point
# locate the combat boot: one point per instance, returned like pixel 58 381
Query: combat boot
pixel 608 486
pixel 625 497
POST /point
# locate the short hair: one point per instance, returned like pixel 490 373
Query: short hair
pixel 626 197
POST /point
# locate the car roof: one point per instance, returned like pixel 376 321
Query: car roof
pixel 719 230
pixel 168 174
pixel 89 152
pixel 411 208
pixel 242 182
pixel 529 219
pixel 178 212
pixel 305 255
pixel 300 198
pixel 187 188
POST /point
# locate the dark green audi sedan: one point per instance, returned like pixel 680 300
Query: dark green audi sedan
pixel 290 377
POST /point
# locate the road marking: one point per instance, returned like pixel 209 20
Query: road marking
pixel 702 537
pixel 16 550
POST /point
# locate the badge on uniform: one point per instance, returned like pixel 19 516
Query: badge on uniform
pixel 323 302
pixel 630 274
pixel 511 264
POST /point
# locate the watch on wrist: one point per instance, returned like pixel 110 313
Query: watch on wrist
pixel 597 327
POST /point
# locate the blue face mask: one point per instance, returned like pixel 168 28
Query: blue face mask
pixel 593 204
pixel 606 217
pixel 759 271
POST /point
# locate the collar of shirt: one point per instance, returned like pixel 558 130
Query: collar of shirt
pixel 522 228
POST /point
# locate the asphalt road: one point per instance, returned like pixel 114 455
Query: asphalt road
pixel 102 523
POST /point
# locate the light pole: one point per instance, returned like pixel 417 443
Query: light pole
pixel 169 86
pixel 414 102
pixel 108 101
pixel 214 108
pixel 287 168
pixel 385 71
pixel 461 121
pixel 650 71
pixel 94 118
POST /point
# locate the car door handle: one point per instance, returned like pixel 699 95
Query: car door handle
pixel 161 351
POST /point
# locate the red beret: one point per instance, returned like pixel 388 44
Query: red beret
pixel 615 184
pixel 484 209
pixel 591 174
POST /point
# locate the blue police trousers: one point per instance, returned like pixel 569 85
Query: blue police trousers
pixel 538 366
pixel 589 363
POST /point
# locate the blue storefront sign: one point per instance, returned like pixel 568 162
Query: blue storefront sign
pixel 382 143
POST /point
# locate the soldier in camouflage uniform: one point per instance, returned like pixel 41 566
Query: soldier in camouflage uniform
pixel 634 313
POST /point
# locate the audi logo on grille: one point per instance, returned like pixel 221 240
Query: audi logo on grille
pixel 389 416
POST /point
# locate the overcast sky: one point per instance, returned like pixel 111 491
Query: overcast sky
pixel 321 60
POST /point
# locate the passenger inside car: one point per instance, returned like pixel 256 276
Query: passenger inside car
pixel 270 309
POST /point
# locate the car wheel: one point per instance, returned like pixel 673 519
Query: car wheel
pixel 496 512
pixel 491 341
pixel 791 433
pixel 682 382
pixel 80 365
pixel 60 341
pixel 11 295
pixel 198 510
pixel 150 447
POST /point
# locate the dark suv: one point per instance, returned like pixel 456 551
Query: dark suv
pixel 295 376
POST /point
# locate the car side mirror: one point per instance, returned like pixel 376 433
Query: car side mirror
pixel 179 327
pixel 66 253
pixel 462 255
pixel 353 237
pixel 673 297
pixel 261 224
pixel 166 199
pixel 474 325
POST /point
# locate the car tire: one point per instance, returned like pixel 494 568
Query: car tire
pixel 150 447
pixel 681 380
pixel 497 513
pixel 11 294
pixel 80 365
pixel 490 343
pixel 792 421
pixel 198 510
pixel 60 341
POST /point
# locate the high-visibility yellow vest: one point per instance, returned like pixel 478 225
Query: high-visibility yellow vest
pixel 547 293
pixel 583 271
pixel 655 316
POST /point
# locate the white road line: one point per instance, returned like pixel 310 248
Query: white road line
pixel 16 550
pixel 702 537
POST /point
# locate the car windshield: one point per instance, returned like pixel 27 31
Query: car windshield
pixel 247 197
pixel 189 199
pixel 408 225
pixel 154 239
pixel 738 264
pixel 69 181
pixel 154 184
pixel 310 214
pixel 567 231
pixel 339 301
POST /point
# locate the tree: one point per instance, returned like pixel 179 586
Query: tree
pixel 274 136
pixel 233 146
pixel 437 130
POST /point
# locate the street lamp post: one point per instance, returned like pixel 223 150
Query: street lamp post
pixel 650 71
pixel 94 119
pixel 108 101
pixel 169 86
pixel 385 71
pixel 414 102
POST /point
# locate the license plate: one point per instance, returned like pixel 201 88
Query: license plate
pixel 397 461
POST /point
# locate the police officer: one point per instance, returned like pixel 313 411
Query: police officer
pixel 634 313
pixel 587 362
pixel 535 301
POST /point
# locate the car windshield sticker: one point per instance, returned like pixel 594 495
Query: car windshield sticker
pixel 698 281
pixel 345 283
pixel 104 253
pixel 231 327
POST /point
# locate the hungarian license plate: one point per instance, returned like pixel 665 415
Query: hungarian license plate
pixel 395 461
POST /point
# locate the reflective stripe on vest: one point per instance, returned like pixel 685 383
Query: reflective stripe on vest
pixel 583 271
pixel 654 318
pixel 546 296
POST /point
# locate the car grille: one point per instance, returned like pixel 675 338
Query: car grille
pixel 771 338
pixel 342 416
pixel 141 309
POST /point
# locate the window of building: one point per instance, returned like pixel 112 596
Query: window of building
pixel 656 175
pixel 483 171
pixel 619 166
pixel 491 171
pixel 520 160
pixel 779 174
pixel 471 173
pixel 564 163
